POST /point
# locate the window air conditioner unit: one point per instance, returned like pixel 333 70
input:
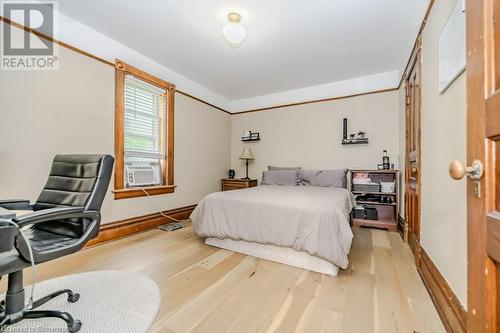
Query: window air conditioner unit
pixel 141 176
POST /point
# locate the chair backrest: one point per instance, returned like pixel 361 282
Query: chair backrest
pixel 76 180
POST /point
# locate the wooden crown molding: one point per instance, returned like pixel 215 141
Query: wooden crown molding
pixel 116 230
pixel 417 45
pixel 317 101
pixel 202 101
pixel 53 40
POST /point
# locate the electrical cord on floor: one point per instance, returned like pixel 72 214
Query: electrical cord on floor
pixel 29 305
pixel 162 213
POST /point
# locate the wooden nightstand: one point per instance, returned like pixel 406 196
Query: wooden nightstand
pixel 237 184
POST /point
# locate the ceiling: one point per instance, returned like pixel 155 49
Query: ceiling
pixel 290 44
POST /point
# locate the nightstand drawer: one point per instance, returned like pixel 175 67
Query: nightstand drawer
pixel 232 186
pixel 237 184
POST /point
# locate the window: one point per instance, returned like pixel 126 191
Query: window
pixel 143 133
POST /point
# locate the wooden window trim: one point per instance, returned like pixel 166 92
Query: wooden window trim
pixel 120 192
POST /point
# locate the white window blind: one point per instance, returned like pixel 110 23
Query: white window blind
pixel 145 119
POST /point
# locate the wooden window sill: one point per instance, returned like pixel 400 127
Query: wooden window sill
pixel 139 192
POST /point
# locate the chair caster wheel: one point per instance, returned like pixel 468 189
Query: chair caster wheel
pixel 75 326
pixel 73 298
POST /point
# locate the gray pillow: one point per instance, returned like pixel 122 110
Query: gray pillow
pixel 325 178
pixel 275 168
pixel 282 177
pixel 308 176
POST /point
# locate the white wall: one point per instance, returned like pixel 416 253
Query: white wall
pixel 309 135
pixel 443 139
pixel 444 201
pixel 71 110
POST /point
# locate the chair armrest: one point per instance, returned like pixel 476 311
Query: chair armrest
pixel 16 204
pixel 49 214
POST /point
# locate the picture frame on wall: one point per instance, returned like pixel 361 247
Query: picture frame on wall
pixel 452 47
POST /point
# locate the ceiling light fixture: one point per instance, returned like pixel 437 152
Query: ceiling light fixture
pixel 233 32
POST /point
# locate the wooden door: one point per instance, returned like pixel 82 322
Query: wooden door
pixel 412 170
pixel 483 146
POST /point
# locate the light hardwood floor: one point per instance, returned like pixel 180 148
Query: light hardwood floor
pixel 205 289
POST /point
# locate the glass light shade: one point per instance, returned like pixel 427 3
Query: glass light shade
pixel 234 33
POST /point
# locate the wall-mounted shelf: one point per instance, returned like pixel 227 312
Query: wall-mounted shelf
pixel 355 141
pixel 250 136
pixel 249 139
pixel 352 139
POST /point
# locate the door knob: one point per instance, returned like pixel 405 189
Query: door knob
pixel 458 170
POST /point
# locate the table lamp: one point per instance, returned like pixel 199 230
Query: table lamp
pixel 246 155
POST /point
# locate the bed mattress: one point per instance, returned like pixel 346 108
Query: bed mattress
pixel 304 218
pixel 284 255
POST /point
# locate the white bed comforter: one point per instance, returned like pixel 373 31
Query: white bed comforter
pixel 305 218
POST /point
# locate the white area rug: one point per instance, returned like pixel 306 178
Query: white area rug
pixel 110 301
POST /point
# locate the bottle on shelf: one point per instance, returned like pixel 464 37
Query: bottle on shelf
pixel 385 161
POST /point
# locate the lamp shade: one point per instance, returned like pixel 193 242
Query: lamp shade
pixel 246 154
pixel 233 32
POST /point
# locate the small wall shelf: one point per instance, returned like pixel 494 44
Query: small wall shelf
pixel 357 138
pixel 250 139
pixel 355 141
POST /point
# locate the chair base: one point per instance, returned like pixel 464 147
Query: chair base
pixel 13 309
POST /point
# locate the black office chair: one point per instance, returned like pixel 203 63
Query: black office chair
pixel 65 217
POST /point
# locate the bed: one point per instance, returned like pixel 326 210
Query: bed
pixel 302 226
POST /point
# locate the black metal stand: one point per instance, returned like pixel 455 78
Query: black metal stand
pixel 13 310
pixel 246 176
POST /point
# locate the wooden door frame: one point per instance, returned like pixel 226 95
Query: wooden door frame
pixel 415 59
pixel 482 282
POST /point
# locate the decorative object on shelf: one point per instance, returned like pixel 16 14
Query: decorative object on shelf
pixel 355 138
pixel 387 187
pixel 233 32
pixel 250 136
pixel 231 173
pixel 246 155
pixel 361 182
pixel 386 165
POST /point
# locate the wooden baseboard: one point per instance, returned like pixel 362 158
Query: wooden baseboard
pixel 119 229
pixel 450 310
pixel 402 228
